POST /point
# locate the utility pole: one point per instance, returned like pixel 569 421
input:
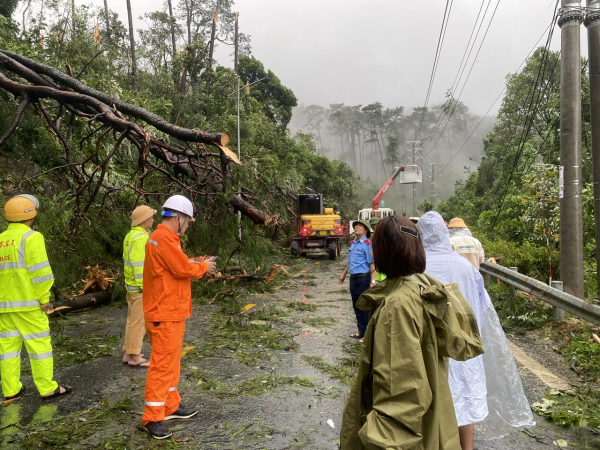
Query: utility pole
pixel 235 58
pixel 433 184
pixel 238 119
pixel 592 23
pixel 571 218
pixel 415 154
pixel 247 97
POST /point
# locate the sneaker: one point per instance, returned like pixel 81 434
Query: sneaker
pixel 182 413
pixel 158 430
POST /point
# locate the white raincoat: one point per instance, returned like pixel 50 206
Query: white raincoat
pixel 486 390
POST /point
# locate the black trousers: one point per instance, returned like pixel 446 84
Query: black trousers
pixel 357 287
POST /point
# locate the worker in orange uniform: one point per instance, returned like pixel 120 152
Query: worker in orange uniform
pixel 167 304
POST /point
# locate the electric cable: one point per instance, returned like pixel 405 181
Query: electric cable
pixel 530 116
pixel 438 52
pixel 497 98
pixel 460 67
pixel 455 101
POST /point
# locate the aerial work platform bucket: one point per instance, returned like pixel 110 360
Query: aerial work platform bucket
pixel 410 175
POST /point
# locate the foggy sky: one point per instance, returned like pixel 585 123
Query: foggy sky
pixel 359 51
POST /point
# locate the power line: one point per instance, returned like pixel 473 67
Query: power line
pixel 468 75
pixel 438 52
pixel 460 66
pixel 497 98
pixel 531 114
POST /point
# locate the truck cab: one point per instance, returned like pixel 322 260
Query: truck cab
pixel 319 229
pixel 367 213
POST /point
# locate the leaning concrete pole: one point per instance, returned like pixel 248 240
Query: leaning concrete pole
pixel 592 23
pixel 571 219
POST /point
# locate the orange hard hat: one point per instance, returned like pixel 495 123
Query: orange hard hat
pixel 20 208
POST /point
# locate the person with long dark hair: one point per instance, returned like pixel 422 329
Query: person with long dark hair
pixel 400 398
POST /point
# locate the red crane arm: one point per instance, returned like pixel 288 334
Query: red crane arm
pixel 385 187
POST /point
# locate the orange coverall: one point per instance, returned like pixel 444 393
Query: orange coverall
pixel 167 303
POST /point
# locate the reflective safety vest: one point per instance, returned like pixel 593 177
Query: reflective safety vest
pixel 134 253
pixel 25 273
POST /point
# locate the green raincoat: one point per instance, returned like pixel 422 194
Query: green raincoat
pixel 400 398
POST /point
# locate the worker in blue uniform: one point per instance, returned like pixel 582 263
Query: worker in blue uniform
pixel 362 272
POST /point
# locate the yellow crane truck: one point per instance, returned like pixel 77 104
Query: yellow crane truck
pixel 319 230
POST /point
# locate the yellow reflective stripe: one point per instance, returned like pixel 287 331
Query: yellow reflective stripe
pixel 41 334
pixel 38 266
pixel 9 334
pixel 138 276
pixel 40 355
pixel 132 288
pixel 19 304
pixel 9 355
pixel 39 280
pixel 154 403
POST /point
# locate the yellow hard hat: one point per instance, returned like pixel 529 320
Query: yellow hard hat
pixel 141 214
pixel 457 222
pixel 20 208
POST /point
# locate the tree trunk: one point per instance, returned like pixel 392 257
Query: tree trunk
pixel 355 151
pixel 188 22
pixel 132 43
pixel 107 19
pixel 211 51
pixel 82 301
pixel 73 15
pixel 249 210
pixel 172 28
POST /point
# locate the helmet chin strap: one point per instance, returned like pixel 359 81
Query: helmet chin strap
pixel 182 225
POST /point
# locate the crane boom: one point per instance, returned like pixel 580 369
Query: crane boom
pixel 385 187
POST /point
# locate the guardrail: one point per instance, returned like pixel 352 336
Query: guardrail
pixel 561 300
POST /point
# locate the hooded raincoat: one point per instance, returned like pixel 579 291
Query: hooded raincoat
pixel 486 390
pixel 400 398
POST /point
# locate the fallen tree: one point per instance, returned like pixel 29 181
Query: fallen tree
pixel 65 304
pixel 185 161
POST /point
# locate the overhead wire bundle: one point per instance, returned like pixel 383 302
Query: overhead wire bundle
pixel 532 111
pixel 436 59
pixel 455 99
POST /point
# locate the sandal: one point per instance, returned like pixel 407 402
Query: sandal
pixel 17 395
pixel 57 393
pixel 144 361
pixel 127 362
pixel 356 336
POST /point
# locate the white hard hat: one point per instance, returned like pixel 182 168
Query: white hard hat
pixel 180 204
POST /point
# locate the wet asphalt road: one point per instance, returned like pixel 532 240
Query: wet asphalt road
pixel 286 417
